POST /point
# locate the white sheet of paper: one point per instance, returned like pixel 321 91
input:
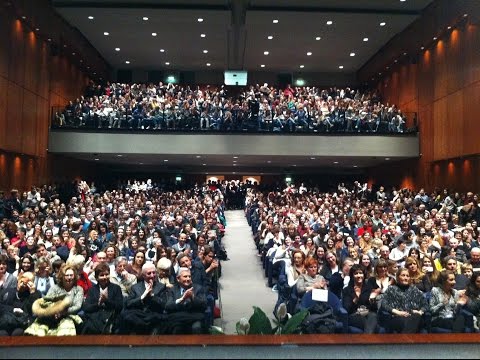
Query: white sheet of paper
pixel 320 295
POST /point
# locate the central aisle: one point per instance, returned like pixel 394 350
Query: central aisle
pixel 243 283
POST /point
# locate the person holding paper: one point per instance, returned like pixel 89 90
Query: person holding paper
pixel 310 279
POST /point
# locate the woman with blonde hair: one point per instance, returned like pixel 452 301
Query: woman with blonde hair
pixel 417 276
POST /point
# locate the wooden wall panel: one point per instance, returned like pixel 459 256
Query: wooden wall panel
pixel 471 53
pixel 3 109
pixel 17 53
pixel 43 113
pixel 13 129
pixel 5 29
pixel 471 124
pixel 440 70
pixel 29 122
pixel 455 45
pixel 426 76
pixel 43 84
pixel 31 61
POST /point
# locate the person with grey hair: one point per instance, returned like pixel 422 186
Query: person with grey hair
pixel 145 306
pixel 121 276
pixel 186 305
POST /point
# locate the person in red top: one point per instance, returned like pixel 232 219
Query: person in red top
pixel 78 261
pixel 367 227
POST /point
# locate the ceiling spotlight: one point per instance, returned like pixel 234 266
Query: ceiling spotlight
pixel 117 49
pixel 106 33
pixel 204 164
pixel 318 38
pixel 383 23
pixel 434 38
pixel 65 46
pixel 335 162
pixel 81 60
pixel 309 53
pixel 24 17
pixel 167 63
pixel 275 21
pixel 422 48
pixel 352 54
pixel 202 35
pixel 340 67
pixel 198 156
pixel 302 66
pixel 365 39
pixel 119 155
pixel 465 15
pixel 205 51
pixel 91 17
pixel 403 0
pixel 395 61
pixel 96 159
pixel 263 65
pixel 154 34
pixel 37 29
pixel 449 27
pixel 355 166
pixel 235 157
pixel 49 39
pixel 165 160
pixel 208 64
pixel 329 22
pixel 73 53
pixel 270 37
pixel 266 53
pixel 200 20
pixel 145 18
pixel 162 50
pixel 127 62
pixel 387 159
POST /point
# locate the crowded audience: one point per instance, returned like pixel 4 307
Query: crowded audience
pixel 256 108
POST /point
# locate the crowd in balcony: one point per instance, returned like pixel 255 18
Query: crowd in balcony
pixel 259 108
pixel 398 261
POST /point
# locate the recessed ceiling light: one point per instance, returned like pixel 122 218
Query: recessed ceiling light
pixel 208 64
pixel 24 17
pixel 199 19
pixel 145 18
pixel 154 34
pixel 403 0
pixel 165 160
pixel 162 50
pixel 302 66
pixel 235 157
pixel 91 17
pixel 266 53
pixel 294 165
pixel 117 49
pixel 269 161
pixel 449 27
pixel 234 161
pixel 365 39
pixel 198 156
pixel 352 54
pixel 335 162
pixel 73 53
pixel 465 15
pixel 37 29
pixel 81 60
pixel 167 63
pixel 140 163
pixel 340 67
pixel 434 38
pixel 119 155
pixel 127 62
pixel 422 48
pixel 263 65
pixel 205 51
pixel 395 61
pixel 275 21
pixel 49 39
pixel 329 22
pixel 96 159
pixel 204 164
pixel 355 166
pixel 387 159
pixel 383 23
pixel 64 46
pixel 388 67
pixel 309 53
pixel 312 158
pixel 318 38
pixel 270 37
pixel 106 33
pixel 379 73
pixel 202 35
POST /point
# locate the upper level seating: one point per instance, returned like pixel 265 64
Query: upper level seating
pixel 169 107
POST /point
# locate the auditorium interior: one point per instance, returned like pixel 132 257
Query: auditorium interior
pixel 422 56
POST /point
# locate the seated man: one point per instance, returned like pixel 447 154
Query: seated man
pixel 121 277
pixel 144 308
pixel 186 305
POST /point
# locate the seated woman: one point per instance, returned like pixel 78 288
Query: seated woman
pixel 135 267
pixel 361 310
pixel 405 303
pixel 473 293
pixel 103 303
pixel 57 313
pixel 417 276
pixel 43 279
pixel 310 279
pixel 380 282
pixel 16 306
pixel 446 302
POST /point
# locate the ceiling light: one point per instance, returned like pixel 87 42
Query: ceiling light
pixel 312 158
pixel 388 67
pixel 37 29
pixel 91 17
pixel 167 63
pixel 269 161
pixel 275 21
pixel 403 0
pixel 119 155
pixel 234 162
pixel 329 22
pixel 202 35
pixel 49 39
pixel 117 49
pixel 340 67
pixel 64 46
pixel 154 34
pixel 434 38
pixel 165 160
pixel 270 37
pixel 106 33
pixel 266 53
pixel 352 54
pixel 24 17
pixel 335 162
pixel 127 62
pixel 365 39
pixel 205 51
pixel 387 159
pixel 383 23
pixel 145 18
pixel 73 53
pixel 81 60
pixel 309 53
pixel 200 20
pixel 302 66
pixel 140 163
pixel 198 156
pixel 449 28
pixel 263 65
pixel 208 64
pixel 204 164
pixel 162 50
pixel 318 38
pixel 465 15
pixel 96 159
pixel 355 166
pixel 395 61
pixel 422 48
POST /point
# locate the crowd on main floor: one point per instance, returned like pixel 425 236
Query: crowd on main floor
pixel 171 107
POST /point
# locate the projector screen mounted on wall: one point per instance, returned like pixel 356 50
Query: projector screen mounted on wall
pixel 235 78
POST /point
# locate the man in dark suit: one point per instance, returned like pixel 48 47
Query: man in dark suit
pixel 144 307
pixel 186 305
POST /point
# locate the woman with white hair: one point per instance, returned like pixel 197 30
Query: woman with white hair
pixel 164 269
pixel 78 262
